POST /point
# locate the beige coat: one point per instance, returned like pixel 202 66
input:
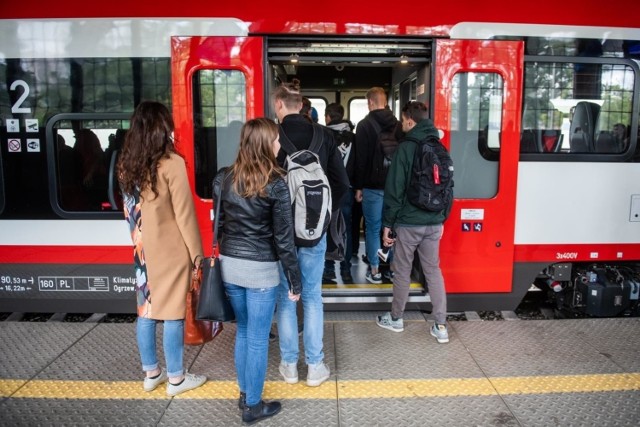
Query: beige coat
pixel 171 239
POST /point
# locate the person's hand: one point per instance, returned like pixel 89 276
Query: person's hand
pixel 386 239
pixel 358 195
pixel 293 297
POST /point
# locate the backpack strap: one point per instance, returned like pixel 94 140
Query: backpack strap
pixel 285 142
pixel 316 140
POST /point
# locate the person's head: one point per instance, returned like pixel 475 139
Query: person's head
pixel 148 140
pixel 376 98
pixel 412 113
pixel 334 112
pixel 314 115
pixel 287 99
pixel 620 131
pixel 256 164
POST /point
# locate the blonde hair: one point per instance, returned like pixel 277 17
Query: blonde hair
pixel 256 166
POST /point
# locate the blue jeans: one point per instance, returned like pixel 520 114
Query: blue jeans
pixel 347 213
pixel 254 312
pixel 172 342
pixel 372 212
pixel 311 261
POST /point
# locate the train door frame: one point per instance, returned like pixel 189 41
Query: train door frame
pixel 478 243
pixel 190 55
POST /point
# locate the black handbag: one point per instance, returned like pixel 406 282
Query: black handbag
pixel 214 302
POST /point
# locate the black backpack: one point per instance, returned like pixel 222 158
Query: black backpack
pixel 386 145
pixel 431 184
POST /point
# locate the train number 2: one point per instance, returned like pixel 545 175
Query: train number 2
pixel 17 108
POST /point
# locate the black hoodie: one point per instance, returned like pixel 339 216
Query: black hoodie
pixel 366 140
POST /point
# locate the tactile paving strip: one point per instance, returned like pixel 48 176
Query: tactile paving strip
pixel 368 316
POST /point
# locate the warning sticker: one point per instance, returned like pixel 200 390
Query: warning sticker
pixel 13 125
pixel 31 125
pixel 33 145
pixel 14 145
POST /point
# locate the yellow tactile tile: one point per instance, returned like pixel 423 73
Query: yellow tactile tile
pixel 8 387
pixel 351 389
pixel 566 383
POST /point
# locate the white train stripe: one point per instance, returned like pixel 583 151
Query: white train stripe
pixel 64 233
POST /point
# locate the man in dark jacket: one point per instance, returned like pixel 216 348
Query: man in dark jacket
pixel 416 229
pixel 287 102
pixel 343 132
pixel 369 186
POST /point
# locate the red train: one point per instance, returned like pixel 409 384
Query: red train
pixel 541 119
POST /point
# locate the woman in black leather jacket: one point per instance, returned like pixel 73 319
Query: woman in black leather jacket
pixel 255 235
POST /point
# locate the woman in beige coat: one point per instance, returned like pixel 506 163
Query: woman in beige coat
pixel 157 199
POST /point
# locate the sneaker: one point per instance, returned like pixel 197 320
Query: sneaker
pixel 189 382
pixel 317 374
pixel 385 321
pixel 374 278
pixel 151 384
pixel 347 278
pixel 289 372
pixel 440 332
pixel 388 275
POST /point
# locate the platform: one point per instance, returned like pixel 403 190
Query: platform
pixel 492 373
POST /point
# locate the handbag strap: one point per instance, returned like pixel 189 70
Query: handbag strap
pixel 217 214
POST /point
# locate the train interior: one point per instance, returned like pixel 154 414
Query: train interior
pixel 338 71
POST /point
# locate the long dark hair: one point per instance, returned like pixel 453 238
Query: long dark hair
pixel 147 142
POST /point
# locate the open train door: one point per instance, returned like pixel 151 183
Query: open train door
pixel 477 103
pixel 217 85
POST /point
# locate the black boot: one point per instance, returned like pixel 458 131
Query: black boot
pixel 259 411
pixel 242 401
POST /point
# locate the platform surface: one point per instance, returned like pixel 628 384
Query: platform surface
pixel 580 372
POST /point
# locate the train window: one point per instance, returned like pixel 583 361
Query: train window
pixel 476 120
pixel 92 85
pixel 320 104
pixel 219 109
pixel 1 186
pixel 358 108
pixel 578 107
pixel 83 153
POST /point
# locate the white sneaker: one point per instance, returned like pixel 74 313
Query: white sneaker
pixel 289 372
pixel 440 332
pixel 385 321
pixel 151 384
pixel 189 382
pixel 374 278
pixel 317 374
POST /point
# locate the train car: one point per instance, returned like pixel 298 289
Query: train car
pixel 540 114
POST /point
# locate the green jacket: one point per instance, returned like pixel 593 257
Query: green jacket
pixel 398 211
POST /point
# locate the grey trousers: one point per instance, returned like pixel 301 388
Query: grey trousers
pixel 426 240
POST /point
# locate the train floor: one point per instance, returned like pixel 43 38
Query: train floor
pixel 574 372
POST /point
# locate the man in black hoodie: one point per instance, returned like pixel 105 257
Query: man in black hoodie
pixel 369 186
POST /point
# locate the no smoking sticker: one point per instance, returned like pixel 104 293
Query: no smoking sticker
pixel 13 145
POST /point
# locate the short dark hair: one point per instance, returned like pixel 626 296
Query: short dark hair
pixel 335 111
pixel 415 110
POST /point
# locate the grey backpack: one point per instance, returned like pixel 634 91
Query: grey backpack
pixel 309 189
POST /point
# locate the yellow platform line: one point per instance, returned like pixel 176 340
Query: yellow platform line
pixel 351 389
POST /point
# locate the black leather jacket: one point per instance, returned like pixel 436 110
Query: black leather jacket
pixel 258 228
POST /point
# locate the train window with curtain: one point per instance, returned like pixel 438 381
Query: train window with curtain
pixel 476 120
pixel 583 109
pixel 219 111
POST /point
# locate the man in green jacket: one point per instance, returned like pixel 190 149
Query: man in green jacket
pixel 415 229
